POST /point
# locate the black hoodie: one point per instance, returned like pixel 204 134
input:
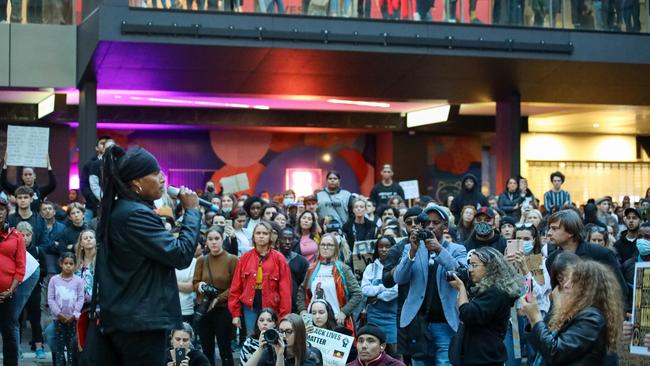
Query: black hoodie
pixel 472 197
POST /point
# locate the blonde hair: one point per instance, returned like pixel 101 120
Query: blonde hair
pixel 594 286
pixel 336 245
pixel 80 253
pixel 268 227
pixel 25 227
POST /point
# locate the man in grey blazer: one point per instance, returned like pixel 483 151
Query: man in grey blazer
pixel 430 311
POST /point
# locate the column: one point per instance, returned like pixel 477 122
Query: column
pixel 87 131
pixel 507 142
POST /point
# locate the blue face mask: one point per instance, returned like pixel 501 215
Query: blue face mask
pixel 528 247
pixel 287 201
pixel 643 245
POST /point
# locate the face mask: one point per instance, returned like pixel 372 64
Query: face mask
pixel 210 189
pixel 287 201
pixel 528 247
pixel 483 229
pixel 643 245
pixel 226 210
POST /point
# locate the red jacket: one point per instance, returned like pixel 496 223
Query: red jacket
pixel 276 283
pixel 12 258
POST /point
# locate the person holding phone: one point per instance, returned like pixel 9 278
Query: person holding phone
pixel 182 352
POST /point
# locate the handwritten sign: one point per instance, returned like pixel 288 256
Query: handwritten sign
pixel 235 183
pixel 335 347
pixel 362 256
pixel 534 262
pixel 411 189
pixel 640 308
pixel 27 146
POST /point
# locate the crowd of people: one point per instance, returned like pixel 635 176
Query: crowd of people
pixel 136 276
pixel 37 11
pixel 606 15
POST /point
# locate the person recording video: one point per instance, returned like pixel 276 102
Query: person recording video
pixel 137 288
pixel 182 353
pixel 287 346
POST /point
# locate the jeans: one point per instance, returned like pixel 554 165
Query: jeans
pixel 50 338
pixel 217 323
pixel 22 295
pixel 250 317
pixel 270 6
pixel 8 327
pixel 89 214
pixel 442 334
pixel 16 10
pixel 35 11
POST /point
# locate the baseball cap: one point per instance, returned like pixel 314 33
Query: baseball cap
pixel 485 211
pixel 632 209
pixel 432 207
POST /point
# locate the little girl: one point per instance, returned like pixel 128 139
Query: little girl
pixel 65 296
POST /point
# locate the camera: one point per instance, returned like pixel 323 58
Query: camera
pixel 424 234
pixel 461 272
pixel 210 291
pixel 271 336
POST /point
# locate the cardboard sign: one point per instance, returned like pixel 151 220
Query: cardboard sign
pixel 535 263
pixel 28 146
pixel 640 308
pixel 235 183
pixel 335 347
pixel 362 256
pixel 411 189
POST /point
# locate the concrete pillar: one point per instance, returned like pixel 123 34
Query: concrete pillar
pixel 507 142
pixel 87 131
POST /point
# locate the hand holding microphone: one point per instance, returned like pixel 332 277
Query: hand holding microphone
pixel 189 199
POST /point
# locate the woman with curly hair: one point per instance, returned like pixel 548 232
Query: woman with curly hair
pixel 479 341
pixel 584 323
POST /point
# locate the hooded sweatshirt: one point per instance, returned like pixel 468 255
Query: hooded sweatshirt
pixel 471 197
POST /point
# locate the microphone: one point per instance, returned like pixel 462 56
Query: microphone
pixel 173 191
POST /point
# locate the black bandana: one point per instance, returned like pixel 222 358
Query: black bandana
pixel 137 163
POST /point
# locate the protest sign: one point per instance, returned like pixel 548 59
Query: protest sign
pixel 411 189
pixel 534 262
pixel 27 146
pixel 235 183
pixel 641 308
pixel 362 256
pixel 335 347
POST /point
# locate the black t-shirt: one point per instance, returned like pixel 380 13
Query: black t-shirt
pixel 359 231
pixel 380 193
pixel 432 306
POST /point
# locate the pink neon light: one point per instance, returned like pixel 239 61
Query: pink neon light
pixel 303 181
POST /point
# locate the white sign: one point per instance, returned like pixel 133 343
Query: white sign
pixel 640 308
pixel 28 146
pixel 335 347
pixel 411 189
pixel 235 183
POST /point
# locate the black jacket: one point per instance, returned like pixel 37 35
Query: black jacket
pixel 69 238
pixel 39 227
pixel 626 249
pixel 40 193
pixel 582 341
pixel 313 358
pixel 351 236
pixel 135 271
pixel 197 358
pixel 84 184
pixel 485 319
pixel 298 266
pixel 628 274
pixel 599 254
pixel 508 201
pixel 472 197
pixel 497 242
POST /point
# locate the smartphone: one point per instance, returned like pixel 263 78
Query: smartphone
pixel 514 245
pixel 180 355
pixel 228 223
pixel 529 289
pixel 308 320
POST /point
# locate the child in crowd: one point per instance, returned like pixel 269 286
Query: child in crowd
pixel 65 296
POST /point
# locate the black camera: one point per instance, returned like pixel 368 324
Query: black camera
pixel 461 272
pixel 271 336
pixel 210 291
pixel 424 234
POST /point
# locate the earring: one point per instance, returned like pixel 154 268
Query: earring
pixel 139 191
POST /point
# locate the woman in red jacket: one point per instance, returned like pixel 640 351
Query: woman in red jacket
pixel 262 279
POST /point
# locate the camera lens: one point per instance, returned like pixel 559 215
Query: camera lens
pixel 271 336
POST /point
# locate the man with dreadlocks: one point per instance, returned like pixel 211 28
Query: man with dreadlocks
pixel 138 297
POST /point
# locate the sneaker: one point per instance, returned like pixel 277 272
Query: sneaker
pixel 40 353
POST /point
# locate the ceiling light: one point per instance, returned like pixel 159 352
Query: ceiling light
pixel 359 103
pixel 428 116
pixel 596 125
pixel 45 106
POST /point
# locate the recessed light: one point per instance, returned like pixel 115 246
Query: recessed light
pixel 596 125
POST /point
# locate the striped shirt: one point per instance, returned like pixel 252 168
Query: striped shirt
pixel 554 199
